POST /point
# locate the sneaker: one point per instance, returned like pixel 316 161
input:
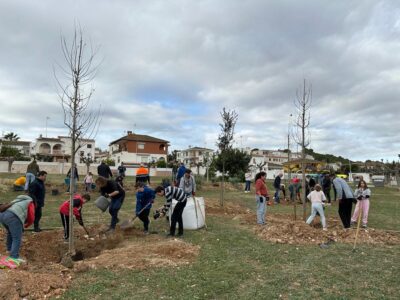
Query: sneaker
pixel 169 235
pixel 20 260
pixel 364 226
pixel 37 230
pixel 325 229
pixel 146 232
pixel 180 234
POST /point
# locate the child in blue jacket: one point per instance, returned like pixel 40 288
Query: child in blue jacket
pixel 144 200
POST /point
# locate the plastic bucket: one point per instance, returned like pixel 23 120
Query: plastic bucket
pixel 102 203
pixel 193 215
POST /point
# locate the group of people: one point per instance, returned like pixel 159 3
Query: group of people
pixel 316 195
pixel 26 209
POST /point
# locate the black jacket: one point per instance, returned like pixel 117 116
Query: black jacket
pixel 112 186
pixel 277 182
pixel 104 170
pixel 76 173
pixel 37 192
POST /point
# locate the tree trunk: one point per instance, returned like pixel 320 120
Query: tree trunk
pixel 221 202
pixel 10 161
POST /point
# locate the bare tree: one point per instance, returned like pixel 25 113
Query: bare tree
pixel 225 140
pixel 301 132
pixel 74 79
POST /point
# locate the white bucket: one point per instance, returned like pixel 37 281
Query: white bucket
pixel 194 213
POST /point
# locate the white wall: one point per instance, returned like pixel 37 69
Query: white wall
pixel 62 168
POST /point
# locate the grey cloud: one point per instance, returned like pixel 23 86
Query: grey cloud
pixel 181 62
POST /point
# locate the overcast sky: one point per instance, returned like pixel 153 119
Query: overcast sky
pixel 169 67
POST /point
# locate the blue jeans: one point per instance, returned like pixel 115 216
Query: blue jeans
pixel 14 229
pixel 277 191
pixel 75 186
pixel 317 207
pixel 115 206
pixel 29 179
pixel 261 209
pixel 247 188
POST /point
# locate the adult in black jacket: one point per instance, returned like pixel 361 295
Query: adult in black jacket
pixel 111 189
pixel 104 170
pixel 326 187
pixel 75 176
pixel 277 187
pixel 37 192
pixel 311 183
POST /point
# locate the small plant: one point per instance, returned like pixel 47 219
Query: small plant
pixel 236 182
pixel 199 181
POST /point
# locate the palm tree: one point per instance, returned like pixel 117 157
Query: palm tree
pixel 11 136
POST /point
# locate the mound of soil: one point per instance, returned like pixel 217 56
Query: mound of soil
pixel 283 229
pixel 44 276
pixel 151 252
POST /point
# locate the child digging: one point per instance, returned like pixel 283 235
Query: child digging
pixel 78 202
pixel 144 200
pixel 317 197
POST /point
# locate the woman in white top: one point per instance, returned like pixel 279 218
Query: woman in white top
pixel 317 197
pixel 362 194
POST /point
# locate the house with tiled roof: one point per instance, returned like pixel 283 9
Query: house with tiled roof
pixel 59 149
pixel 138 148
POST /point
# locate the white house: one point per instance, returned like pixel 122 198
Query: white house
pixel 24 147
pixel 59 149
pixel 194 156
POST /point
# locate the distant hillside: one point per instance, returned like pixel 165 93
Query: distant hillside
pixel 329 158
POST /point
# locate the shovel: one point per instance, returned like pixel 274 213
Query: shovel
pixel 87 232
pixel 129 223
pixel 358 228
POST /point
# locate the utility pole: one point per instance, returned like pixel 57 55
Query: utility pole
pixel 47 118
pixel 288 147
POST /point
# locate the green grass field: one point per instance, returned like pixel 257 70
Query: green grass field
pixel 235 264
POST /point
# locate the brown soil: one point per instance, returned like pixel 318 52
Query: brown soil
pixel 44 276
pixel 281 228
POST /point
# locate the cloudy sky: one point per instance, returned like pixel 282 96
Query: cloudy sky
pixel 167 68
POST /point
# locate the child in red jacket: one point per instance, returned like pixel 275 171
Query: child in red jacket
pixel 76 210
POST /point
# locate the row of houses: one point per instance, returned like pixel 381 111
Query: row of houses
pixel 136 149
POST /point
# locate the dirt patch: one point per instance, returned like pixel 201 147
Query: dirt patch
pixel 281 228
pixel 213 208
pixel 43 276
pixel 150 252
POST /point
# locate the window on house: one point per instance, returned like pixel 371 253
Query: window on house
pixel 89 146
pixel 141 146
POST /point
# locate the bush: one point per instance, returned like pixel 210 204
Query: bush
pixel 236 182
pixel 161 164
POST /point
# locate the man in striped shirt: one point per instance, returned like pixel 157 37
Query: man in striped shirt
pixel 172 192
